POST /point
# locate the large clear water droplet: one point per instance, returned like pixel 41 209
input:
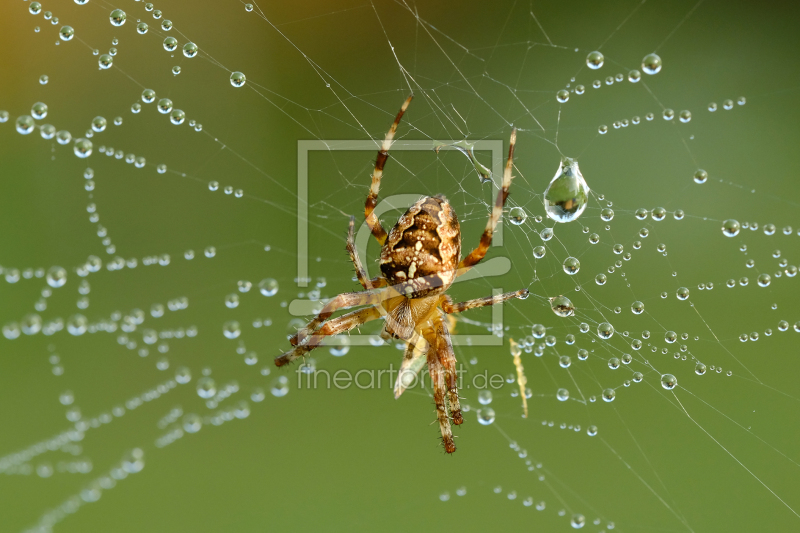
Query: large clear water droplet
pixel 651 64
pixel 595 60
pixel 562 306
pixel 566 196
pixel 668 381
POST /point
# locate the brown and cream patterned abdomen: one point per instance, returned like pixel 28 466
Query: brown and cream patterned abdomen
pixel 423 249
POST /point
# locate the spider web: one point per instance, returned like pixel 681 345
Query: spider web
pixel 145 379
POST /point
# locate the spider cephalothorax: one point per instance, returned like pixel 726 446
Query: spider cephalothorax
pixel 420 259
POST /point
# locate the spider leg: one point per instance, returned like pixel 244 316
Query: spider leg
pixel 413 361
pixel 333 327
pixel 372 198
pixel 439 390
pixel 447 358
pixel 497 211
pixel 361 272
pixel 341 301
pixel 449 307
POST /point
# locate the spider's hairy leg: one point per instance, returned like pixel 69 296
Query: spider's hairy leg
pixel 497 211
pixel 449 307
pixel 361 273
pixel 338 325
pixel 414 359
pixel 447 359
pixel 372 198
pixel 341 301
pixel 439 391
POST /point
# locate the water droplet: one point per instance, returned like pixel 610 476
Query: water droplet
pixel 577 521
pixel 177 117
pixel 567 194
pixel 517 216
pixel 637 308
pixel 700 176
pixel 238 79
pixel 166 25
pixel 268 287
pixel 571 266
pixel 609 395
pixel 66 33
pixel 594 60
pixel 117 17
pixel 485 397
pixel 232 301
pixel 56 277
pixel 669 382
pixel 170 44
pixel 605 330
pixel 538 252
pixel 730 228
pixel 142 28
pixel 25 124
pixel 192 423
pixel 82 149
pixel 340 345
pixel 727 105
pixel 634 76
pixel 486 416
pixel 189 50
pixel 764 280
pixel 280 387
pixel 99 124
pixel 35 8
pixel 562 306
pixel 562 395
pixel 105 61
pixel 206 387
pixel 562 96
pixel 231 329
pixel 651 64
pixel 685 116
pixel 183 375
pixel 248 7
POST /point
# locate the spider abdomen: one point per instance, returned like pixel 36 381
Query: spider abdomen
pixel 423 249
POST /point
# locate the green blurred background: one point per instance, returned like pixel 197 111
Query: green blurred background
pixel 358 459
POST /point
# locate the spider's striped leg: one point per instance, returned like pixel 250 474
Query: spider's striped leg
pixel 341 301
pixel 361 272
pixel 439 390
pixel 447 358
pixel 449 307
pixel 332 327
pixel 497 211
pixel 372 198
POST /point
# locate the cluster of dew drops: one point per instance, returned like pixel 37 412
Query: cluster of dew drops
pixel 651 65
pixel 82 147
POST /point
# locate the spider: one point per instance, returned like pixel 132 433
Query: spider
pixel 420 258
